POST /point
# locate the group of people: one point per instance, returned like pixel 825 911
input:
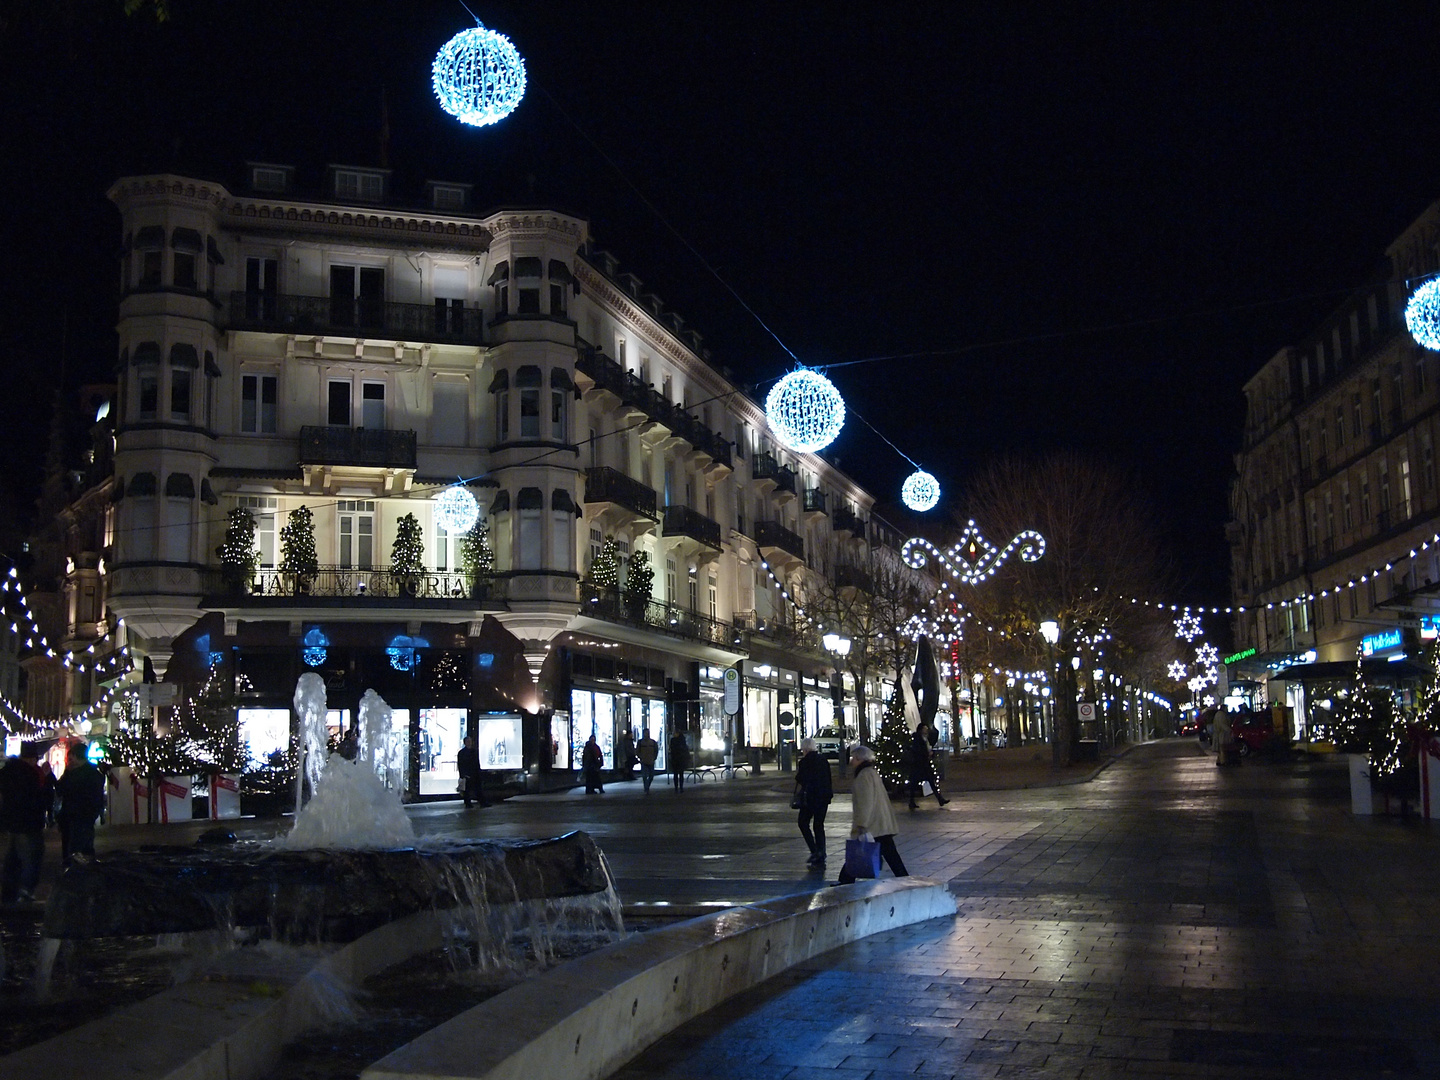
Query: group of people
pixel 31 798
pixel 628 754
pixel 871 813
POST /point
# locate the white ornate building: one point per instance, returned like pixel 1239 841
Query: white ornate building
pixel 353 355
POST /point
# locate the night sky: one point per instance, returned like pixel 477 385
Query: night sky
pixel 1094 222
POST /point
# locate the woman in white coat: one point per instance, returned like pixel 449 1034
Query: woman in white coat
pixel 870 811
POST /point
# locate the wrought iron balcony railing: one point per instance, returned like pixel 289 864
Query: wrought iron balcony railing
pixel 765 467
pixel 627 386
pixel 357 446
pixel 815 501
pixel 772 534
pixel 786 635
pixel 355 316
pixel 618 606
pixel 682 521
pixel 604 484
pixel 846 520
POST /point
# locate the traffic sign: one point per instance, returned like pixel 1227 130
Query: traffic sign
pixel 1086 711
pixel 732 691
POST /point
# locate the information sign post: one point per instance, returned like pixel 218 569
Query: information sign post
pixel 731 707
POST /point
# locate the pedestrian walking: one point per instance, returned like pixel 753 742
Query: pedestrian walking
pixel 870 811
pixel 472 781
pixel 22 817
pixel 813 792
pixel 647 752
pixel 592 759
pixel 81 789
pixel 1223 739
pixel 625 755
pixel 679 760
pixel 922 766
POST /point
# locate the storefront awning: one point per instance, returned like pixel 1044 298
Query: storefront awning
pixel 1341 670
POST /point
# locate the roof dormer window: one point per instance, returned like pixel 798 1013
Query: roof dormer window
pixel 359 185
pixel 449 196
pixel 271 179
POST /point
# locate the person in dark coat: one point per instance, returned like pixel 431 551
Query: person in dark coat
pixel 592 760
pixel 647 751
pixel 82 797
pixel 922 766
pixel 625 758
pixel 467 761
pixel 22 818
pixel 813 791
pixel 679 759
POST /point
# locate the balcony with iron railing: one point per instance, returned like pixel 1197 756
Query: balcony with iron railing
pixel 846 520
pixel 379 447
pixel 355 317
pixel 792 636
pixel 765 467
pixel 608 375
pixel 376 585
pixel 682 521
pixel 614 604
pixel 815 501
pixel 773 535
pixel 604 484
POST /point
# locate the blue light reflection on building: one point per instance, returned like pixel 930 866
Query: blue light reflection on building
pixel 313 650
pixel 403 651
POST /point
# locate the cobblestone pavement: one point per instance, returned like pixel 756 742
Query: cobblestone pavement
pixel 1166 919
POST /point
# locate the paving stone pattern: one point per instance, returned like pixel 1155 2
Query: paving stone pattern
pixel 1167 919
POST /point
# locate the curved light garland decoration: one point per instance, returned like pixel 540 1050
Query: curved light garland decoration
pixel 805 411
pixel 973 558
pixel 920 492
pixel 479 77
pixel 1422 315
pixel 456 510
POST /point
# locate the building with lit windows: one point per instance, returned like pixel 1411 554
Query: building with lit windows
pixel 356 355
pixel 1336 488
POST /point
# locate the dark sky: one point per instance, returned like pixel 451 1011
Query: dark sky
pixel 1111 215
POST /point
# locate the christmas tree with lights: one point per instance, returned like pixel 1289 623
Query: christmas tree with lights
pixel 297 548
pixel 1356 722
pixel 476 555
pixel 639 580
pixel 605 569
pixel 208 727
pixel 237 554
pixel 892 742
pixel 407 554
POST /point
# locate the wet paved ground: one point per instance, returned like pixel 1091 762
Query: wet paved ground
pixel 1167 919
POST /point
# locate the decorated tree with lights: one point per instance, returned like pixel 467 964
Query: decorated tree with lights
pixel 639 580
pixel 605 569
pixel 238 554
pixel 476 555
pixel 892 742
pixel 1358 723
pixel 149 750
pixel 297 547
pixel 407 553
pixel 208 728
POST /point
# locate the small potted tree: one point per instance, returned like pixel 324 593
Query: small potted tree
pixel 297 550
pixel 407 555
pixel 237 554
pixel 478 559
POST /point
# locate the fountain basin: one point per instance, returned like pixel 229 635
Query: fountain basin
pixel 309 896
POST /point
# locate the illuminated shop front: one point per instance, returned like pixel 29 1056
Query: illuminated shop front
pixel 609 695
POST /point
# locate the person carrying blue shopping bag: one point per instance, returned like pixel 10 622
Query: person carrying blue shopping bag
pixel 870 813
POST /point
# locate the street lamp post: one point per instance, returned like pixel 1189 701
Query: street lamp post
pixel 838 647
pixel 1050 631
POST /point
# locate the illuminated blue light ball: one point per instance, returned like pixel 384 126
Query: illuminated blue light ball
pixel 456 510
pixel 478 77
pixel 920 492
pixel 805 411
pixel 1422 315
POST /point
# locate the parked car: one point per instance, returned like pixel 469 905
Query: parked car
pixel 988 739
pixel 830 742
pixel 1190 727
pixel 1254 733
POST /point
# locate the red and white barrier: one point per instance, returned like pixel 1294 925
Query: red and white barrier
pixel 175 804
pixel 129 798
pixel 224 795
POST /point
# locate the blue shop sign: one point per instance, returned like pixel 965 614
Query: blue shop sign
pixel 1371 644
pixel 1429 627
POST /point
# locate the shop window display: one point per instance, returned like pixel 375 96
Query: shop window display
pixel 264 731
pixel 441 733
pixel 498 741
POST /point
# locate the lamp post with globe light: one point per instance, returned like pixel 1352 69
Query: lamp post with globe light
pixel 838 647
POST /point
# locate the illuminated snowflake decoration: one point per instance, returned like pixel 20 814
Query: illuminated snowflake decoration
pixel 1197 684
pixel 478 77
pixel 1187 626
pixel 1422 314
pixel 1209 700
pixel 805 411
pixel 456 510
pixel 1207 656
pixel 313 651
pixel 1211 676
pixel 1176 670
pixel 404 652
pixel 973 558
pixel 920 492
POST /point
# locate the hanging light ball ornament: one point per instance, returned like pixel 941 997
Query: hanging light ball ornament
pixel 456 510
pixel 920 492
pixel 805 411
pixel 1422 314
pixel 478 76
